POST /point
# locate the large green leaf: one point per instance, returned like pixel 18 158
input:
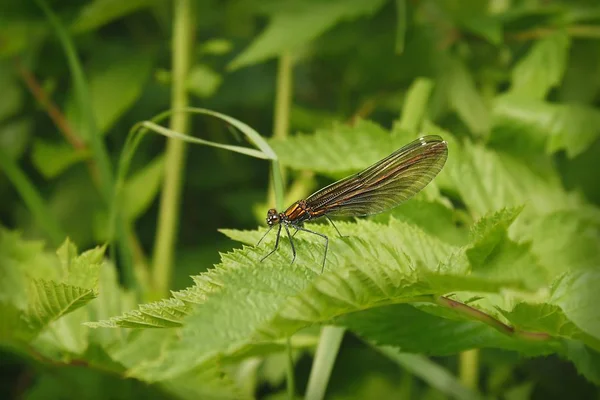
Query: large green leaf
pixel 488 180
pixel 295 23
pixel 527 126
pixel 114 88
pixel 43 288
pixel 578 296
pixel 142 187
pixel 244 301
pixel 340 150
pixel 463 97
pixel 416 330
pixel 542 68
pixel 101 12
pixel 52 159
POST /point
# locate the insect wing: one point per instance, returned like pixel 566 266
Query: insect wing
pixel 386 183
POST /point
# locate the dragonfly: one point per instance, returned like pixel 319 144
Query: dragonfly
pixel 379 188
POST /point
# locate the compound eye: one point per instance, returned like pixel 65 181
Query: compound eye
pixel 272 216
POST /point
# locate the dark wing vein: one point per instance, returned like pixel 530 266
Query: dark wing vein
pixel 384 184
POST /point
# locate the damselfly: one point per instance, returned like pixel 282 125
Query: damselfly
pixel 380 187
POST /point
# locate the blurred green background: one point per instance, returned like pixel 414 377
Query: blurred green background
pixel 284 68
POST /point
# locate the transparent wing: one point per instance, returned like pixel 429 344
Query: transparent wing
pixel 386 183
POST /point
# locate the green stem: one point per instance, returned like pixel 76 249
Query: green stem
pixel 291 385
pixel 283 97
pixel 469 368
pixel 327 350
pixel 83 101
pixel 33 200
pixel 175 154
pixel 281 123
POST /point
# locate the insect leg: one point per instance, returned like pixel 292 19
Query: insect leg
pixel 291 243
pixel 326 243
pixel 263 236
pixel 337 230
pixel 276 244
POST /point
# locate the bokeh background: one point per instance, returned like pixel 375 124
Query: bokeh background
pixel 285 68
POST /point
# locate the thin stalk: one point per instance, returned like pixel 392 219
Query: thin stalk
pixel 291 385
pixel 327 350
pixel 281 126
pixel 478 315
pixel 32 199
pixel 468 370
pixel 168 214
pixel 83 101
pixel 281 123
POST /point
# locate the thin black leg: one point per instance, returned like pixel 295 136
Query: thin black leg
pixel 263 236
pixel 291 243
pixel 336 229
pixel 276 244
pixel 326 243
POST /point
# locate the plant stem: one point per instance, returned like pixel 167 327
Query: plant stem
pixel 577 31
pixel 175 154
pixel 281 123
pixel 83 102
pixel 291 385
pixel 327 350
pixel 469 368
pixel 476 314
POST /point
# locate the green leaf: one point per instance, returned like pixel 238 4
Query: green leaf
pixel 543 318
pixel 493 254
pixel 101 12
pixel 543 67
pixel 565 241
pixel 41 287
pixel 434 217
pixel 578 296
pixel 463 97
pixel 142 187
pixel 216 46
pixel 15 136
pixel 114 88
pixel 51 300
pixel 524 124
pixel 244 300
pixel 415 105
pixel 190 139
pixel 581 81
pixel 52 159
pixel 293 24
pixel 417 330
pixel 18 33
pixel 585 359
pixel 340 150
pixel 203 81
pixel 489 180
pixel 488 27
pixel 12 94
pixel 14 326
pixel 19 260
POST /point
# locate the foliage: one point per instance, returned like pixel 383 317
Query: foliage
pixel 499 253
